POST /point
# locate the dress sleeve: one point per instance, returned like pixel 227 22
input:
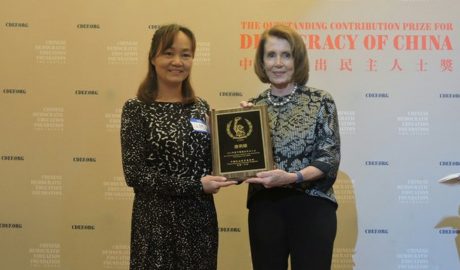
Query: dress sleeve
pixel 139 175
pixel 327 151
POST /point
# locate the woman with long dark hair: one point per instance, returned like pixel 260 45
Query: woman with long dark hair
pixel 166 159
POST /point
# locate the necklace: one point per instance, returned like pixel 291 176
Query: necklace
pixel 285 101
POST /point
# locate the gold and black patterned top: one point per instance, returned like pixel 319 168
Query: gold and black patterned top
pixel 304 132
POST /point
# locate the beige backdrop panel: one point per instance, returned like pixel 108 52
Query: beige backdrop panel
pixel 66 70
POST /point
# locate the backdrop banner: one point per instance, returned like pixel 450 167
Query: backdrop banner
pixel 67 67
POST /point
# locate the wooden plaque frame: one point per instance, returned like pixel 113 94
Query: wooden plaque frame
pixel 241 142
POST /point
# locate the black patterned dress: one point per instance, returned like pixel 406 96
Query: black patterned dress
pixel 174 224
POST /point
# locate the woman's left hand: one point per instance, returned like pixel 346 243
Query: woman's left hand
pixel 274 178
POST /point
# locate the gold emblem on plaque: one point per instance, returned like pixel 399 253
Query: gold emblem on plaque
pixel 237 130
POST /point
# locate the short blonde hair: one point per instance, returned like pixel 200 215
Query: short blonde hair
pixel 299 53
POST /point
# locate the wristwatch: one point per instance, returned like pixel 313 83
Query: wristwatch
pixel 299 177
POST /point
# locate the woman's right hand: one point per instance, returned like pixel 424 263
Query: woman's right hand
pixel 246 104
pixel 212 184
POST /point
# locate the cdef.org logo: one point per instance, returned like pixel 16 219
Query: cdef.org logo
pixel 10 226
pixel 82 92
pixel 17 24
pixel 13 91
pixel 377 95
pixel 88 26
pixel 84 159
pixel 376 231
pixel 13 158
pixel 377 163
pixel 231 94
pixel 84 227
pixel 154 26
pixel 449 95
pixel 449 163
pixel 230 229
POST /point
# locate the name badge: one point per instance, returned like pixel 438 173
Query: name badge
pixel 199 125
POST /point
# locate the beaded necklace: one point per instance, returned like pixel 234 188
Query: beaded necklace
pixel 285 101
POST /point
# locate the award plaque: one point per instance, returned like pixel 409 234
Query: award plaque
pixel 241 142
